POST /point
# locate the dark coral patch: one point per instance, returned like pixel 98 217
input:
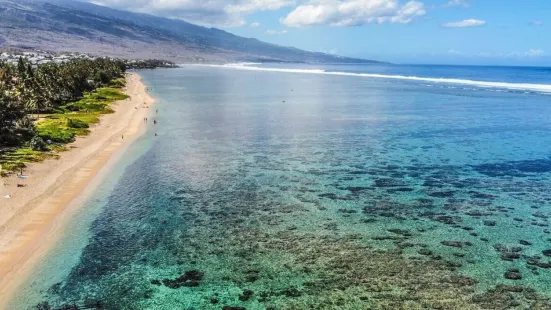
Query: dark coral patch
pixel 515 168
pixel 190 278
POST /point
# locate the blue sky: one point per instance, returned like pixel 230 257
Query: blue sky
pixel 482 32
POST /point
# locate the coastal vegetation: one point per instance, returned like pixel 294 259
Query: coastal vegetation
pixel 149 64
pixel 45 106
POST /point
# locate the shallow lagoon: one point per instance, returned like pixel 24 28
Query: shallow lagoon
pixel 272 190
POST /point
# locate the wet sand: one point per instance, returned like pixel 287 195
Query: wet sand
pixel 32 220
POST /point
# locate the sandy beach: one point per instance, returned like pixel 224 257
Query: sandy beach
pixel 32 219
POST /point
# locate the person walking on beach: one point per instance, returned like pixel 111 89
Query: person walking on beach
pixel 122 137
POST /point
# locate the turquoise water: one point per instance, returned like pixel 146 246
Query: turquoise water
pixel 300 190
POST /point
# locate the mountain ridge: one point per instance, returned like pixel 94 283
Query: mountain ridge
pixel 74 26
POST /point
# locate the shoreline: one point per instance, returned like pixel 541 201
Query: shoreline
pixel 33 219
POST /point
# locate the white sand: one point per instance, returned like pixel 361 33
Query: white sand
pixel 31 221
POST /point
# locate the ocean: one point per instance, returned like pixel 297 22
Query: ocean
pixel 320 187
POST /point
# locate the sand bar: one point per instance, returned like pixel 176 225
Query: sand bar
pixel 31 221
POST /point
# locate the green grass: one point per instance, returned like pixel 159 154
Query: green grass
pixel 108 93
pixel 60 128
pixel 63 128
pixel 97 101
pixel 14 160
pixel 118 83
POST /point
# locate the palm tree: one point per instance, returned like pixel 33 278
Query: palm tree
pixel 26 89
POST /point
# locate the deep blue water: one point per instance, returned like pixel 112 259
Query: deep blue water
pixel 298 189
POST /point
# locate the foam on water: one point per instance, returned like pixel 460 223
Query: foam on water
pixel 544 88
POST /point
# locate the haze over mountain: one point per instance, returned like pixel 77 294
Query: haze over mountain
pixel 73 26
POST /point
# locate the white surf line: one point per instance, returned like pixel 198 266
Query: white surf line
pixel 546 88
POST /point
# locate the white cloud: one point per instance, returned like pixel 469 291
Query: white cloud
pixel 537 52
pixel 255 24
pixel 531 53
pixel 454 51
pixel 465 23
pixel 226 13
pixel 353 12
pixel 275 32
pixel 248 6
pixel 332 51
pixel 463 3
pixel 487 54
pixel 537 23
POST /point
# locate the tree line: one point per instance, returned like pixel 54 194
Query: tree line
pixel 150 64
pixel 27 90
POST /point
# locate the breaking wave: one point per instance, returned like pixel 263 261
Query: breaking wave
pixel 546 88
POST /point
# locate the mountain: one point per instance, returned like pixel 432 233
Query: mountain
pixel 73 26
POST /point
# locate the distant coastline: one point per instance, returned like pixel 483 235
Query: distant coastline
pixel 39 57
pixel 123 34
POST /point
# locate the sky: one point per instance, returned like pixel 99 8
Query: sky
pixel 477 32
